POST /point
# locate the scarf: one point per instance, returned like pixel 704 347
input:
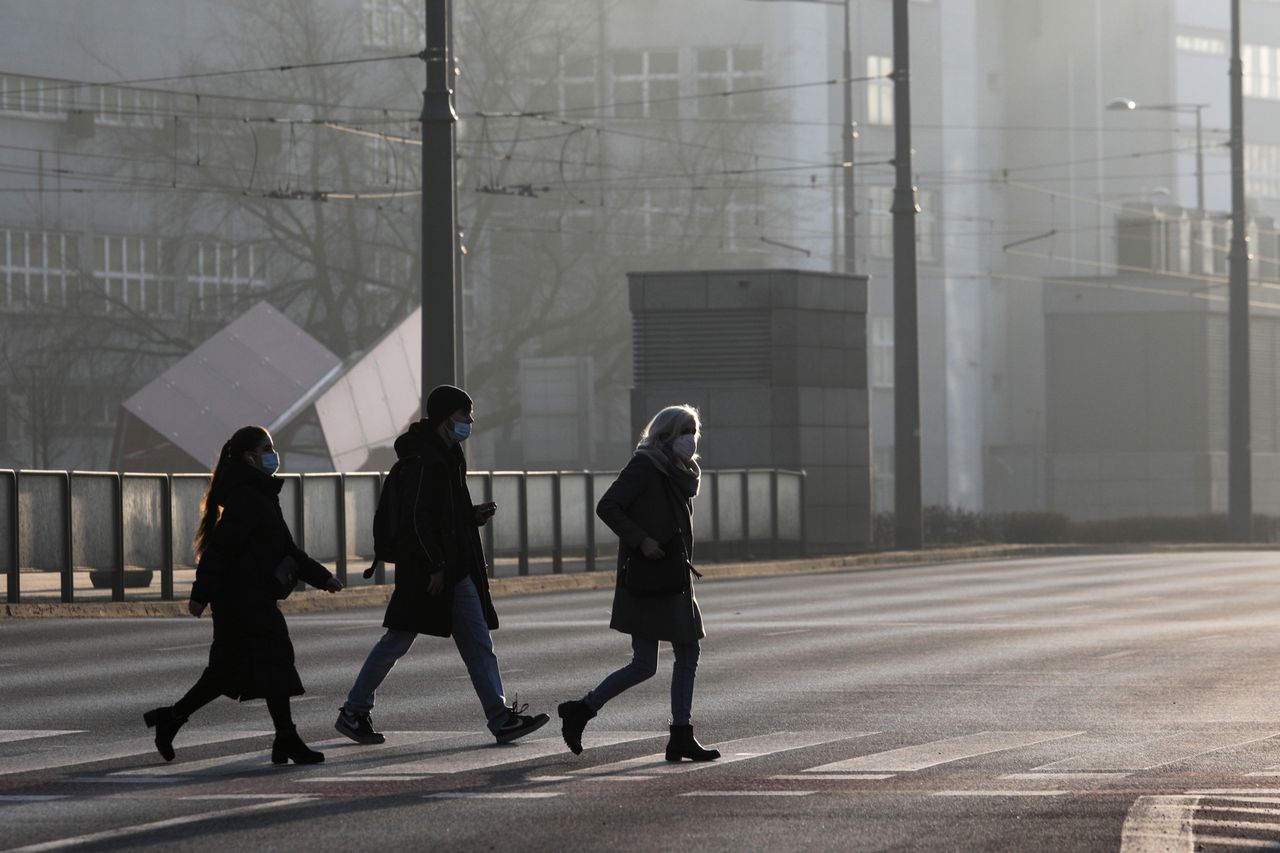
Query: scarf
pixel 685 476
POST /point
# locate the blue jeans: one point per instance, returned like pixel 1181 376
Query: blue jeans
pixel 643 666
pixel 475 645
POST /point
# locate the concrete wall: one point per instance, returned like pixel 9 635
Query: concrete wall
pixel 776 362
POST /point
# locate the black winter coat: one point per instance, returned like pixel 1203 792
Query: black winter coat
pixel 251 654
pixel 436 531
pixel 643 503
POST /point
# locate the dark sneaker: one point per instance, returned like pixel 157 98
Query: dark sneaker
pixel 518 725
pixel 358 727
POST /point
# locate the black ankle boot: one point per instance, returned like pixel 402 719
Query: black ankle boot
pixel 289 747
pixel 684 745
pixel 576 715
pixel 166 723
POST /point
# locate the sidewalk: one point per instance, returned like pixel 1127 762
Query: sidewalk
pixel 367 594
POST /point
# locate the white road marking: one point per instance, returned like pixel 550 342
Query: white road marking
pixel 1238 809
pixel 131 780
pixel 493 795
pixel 998 793
pixel 183 648
pixel 785 633
pixel 490 755
pixel 31 798
pixel 335 749
pixel 1159 824
pixel 10 735
pixel 1067 777
pixel 1157 752
pixel 81 753
pixel 852 777
pixel 920 756
pixel 1114 655
pixel 730 752
pixel 1228 841
pixel 748 793
pixel 143 828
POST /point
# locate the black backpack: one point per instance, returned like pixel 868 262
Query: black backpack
pixel 386 520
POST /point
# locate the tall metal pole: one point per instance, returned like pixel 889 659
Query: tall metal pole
pixel 1199 163
pixel 1239 462
pixel 906 366
pixel 848 132
pixel 439 230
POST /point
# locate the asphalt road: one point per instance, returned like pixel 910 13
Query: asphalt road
pixel 1086 703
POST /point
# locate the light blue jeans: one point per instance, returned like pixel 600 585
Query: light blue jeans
pixel 475 645
pixel 643 666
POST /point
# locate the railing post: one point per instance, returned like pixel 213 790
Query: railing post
pixel 117 530
pixel 488 528
pixel 804 540
pixel 589 490
pixel 522 496
pixel 15 576
pixel 342 528
pixel 746 513
pixel 166 537
pixel 774 546
pixel 68 563
pixel 379 567
pixel 557 535
pixel 716 553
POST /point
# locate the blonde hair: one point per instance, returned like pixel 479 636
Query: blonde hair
pixel 668 423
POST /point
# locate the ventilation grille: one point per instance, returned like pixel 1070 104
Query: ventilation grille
pixel 702 346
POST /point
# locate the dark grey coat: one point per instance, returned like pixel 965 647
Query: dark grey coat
pixel 642 503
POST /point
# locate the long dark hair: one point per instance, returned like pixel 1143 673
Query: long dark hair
pixel 244 439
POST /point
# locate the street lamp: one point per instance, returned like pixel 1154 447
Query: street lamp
pixel 1126 104
pixel 848 133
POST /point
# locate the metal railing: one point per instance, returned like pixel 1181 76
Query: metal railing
pixel 72 535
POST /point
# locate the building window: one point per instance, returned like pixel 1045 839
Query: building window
pixel 636 223
pixel 1201 44
pixel 645 83
pixel 1261 66
pixel 126 107
pixel 926 239
pixel 36 269
pixel 563 82
pixel 731 69
pixel 133 274
pixel 880 352
pixel 34 96
pixel 1262 170
pixel 880 90
pixel 223 275
pixel 394 24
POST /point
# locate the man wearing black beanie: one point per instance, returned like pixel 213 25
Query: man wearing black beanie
pixel 442 582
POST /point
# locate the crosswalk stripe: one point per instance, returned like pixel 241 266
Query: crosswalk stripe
pixel 937 752
pixel 730 752
pixel 492 795
pixel 334 749
pixel 491 755
pixel 748 793
pixel 1159 751
pixel 1157 824
pixel 82 752
pixel 999 793
pixel 10 735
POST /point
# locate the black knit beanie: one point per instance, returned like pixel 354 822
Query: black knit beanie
pixel 443 401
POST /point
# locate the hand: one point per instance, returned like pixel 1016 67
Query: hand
pixel 195 608
pixel 333 585
pixel 651 549
pixel 435 585
pixel 484 512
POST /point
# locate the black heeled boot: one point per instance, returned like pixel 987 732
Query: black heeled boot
pixel 289 747
pixel 576 715
pixel 166 723
pixel 684 745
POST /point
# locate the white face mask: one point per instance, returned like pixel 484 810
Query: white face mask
pixel 685 446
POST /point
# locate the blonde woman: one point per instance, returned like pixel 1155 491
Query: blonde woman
pixel 650 507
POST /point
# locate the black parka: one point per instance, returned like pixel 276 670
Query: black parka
pixel 436 531
pixel 642 503
pixel 251 655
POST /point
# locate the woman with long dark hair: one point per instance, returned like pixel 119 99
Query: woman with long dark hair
pixel 243 547
pixel 650 507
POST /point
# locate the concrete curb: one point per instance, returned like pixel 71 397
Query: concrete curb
pixel 313 601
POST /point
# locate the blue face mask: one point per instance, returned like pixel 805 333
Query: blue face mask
pixel 270 462
pixel 461 430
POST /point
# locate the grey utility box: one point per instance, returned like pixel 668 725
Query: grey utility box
pixel 776 361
